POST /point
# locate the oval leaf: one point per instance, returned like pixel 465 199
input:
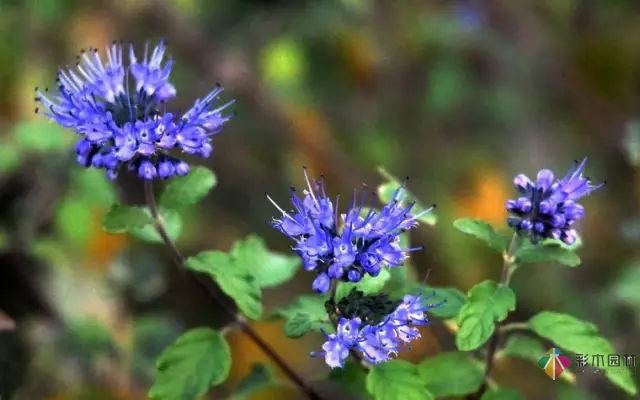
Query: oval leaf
pixel 269 268
pixel 451 374
pixel 483 231
pixel 189 189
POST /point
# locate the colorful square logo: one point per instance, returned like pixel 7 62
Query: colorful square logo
pixel 554 363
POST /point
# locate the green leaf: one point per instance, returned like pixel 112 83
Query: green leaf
pixel 579 337
pixel 483 231
pixel 189 189
pixel 235 282
pixel 172 224
pixel 73 221
pixel 261 377
pixel 9 157
pixel 269 268
pixel 40 136
pixel 351 378
pixel 301 324
pixel 547 252
pixel 121 218
pixel 197 360
pixel 488 303
pixel 451 374
pixel 306 314
pixel 525 347
pixel 451 299
pixel 387 189
pixel 502 394
pixel 368 284
pixel 396 379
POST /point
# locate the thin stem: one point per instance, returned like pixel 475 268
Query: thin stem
pixel 179 259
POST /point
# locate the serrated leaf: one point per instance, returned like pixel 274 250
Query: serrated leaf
pixel 197 360
pixel 121 218
pixel 189 189
pixel 451 374
pixel 580 337
pixel 260 378
pixel 368 285
pixel 482 231
pixel 387 189
pixel 488 303
pixel 299 325
pixel 548 252
pixel 172 224
pixel 269 268
pixel 502 394
pixel 396 379
pixel 523 346
pixel 306 314
pixel 451 300
pixel 234 282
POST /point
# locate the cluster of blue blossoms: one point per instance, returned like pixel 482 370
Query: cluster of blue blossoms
pixel 548 207
pixel 124 123
pixel 376 342
pixel 365 241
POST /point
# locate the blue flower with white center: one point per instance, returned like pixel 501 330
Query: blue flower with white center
pixel 345 248
pixel 376 342
pixel 118 111
pixel 548 207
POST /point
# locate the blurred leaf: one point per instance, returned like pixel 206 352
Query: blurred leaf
pixel 523 346
pixel 189 189
pixel 448 87
pixel 307 313
pixel 88 336
pixel 40 136
pixel 451 299
pixel 283 62
pixel 74 221
pixel 197 360
pixel 9 157
pixel 368 284
pixel 502 394
pixel 121 218
pixel 626 288
pixel 172 224
pixel 488 303
pixel 260 378
pixel 351 377
pixel 483 231
pixel 451 374
pixel 547 252
pixel 302 323
pixel 579 337
pixel 396 379
pixel 92 187
pixel 235 282
pixel 570 392
pixel 267 267
pixel 387 189
pixel 151 335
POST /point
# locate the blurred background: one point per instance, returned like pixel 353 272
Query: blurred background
pixel 458 95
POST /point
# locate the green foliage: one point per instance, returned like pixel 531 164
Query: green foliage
pixel 488 303
pixel 525 347
pixel 547 252
pixel 40 136
pixel 261 377
pixel 502 394
pixel 396 379
pixel 451 301
pixel 236 282
pixel 268 268
pixel 89 336
pixel 73 221
pixel 368 284
pixel 387 189
pixel 151 335
pixel 580 337
pixel 197 360
pixel 121 218
pixel 482 231
pixel 451 374
pixel 189 189
pixel 352 378
pixel 625 288
pixel 306 314
pixel 171 221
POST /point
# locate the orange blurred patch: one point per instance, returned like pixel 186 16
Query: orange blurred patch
pixel 360 57
pixel 485 200
pixel 91 28
pixel 102 247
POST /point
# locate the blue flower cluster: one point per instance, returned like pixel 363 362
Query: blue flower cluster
pixel 548 207
pixel 376 342
pixel 125 123
pixel 364 241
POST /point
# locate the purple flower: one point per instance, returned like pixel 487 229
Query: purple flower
pixel 118 111
pixel 376 342
pixel 548 208
pixel 362 241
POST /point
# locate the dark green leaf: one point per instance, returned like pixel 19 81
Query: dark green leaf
pixel 260 378
pixel 502 394
pixel 236 283
pixel 299 325
pixel 368 285
pixel 396 379
pixel 525 347
pixel 387 189
pixel 483 231
pixel 306 314
pixel 121 218
pixel 579 337
pixel 451 374
pixel 488 303
pixel 352 378
pixel 548 252
pixel 197 360
pixel 172 224
pixel 451 301
pixel 189 189
pixel 269 268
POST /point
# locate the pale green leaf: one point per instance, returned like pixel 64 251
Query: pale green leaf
pixel 395 380
pixel 269 268
pixel 189 189
pixel 451 374
pixel 525 347
pixel 451 300
pixel 482 231
pixel 122 218
pixel 171 221
pixel 368 284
